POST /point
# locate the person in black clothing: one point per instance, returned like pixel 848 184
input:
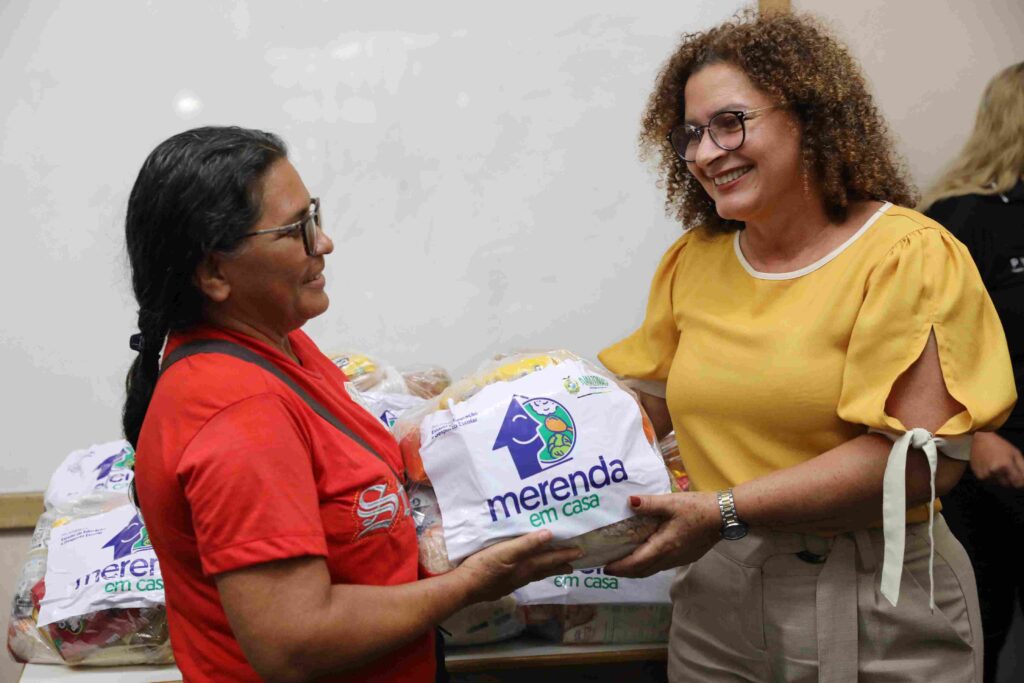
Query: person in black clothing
pixel 980 199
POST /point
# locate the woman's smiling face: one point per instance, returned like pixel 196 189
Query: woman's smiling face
pixel 273 283
pixel 765 173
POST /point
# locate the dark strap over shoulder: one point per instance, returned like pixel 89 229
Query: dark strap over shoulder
pixel 228 348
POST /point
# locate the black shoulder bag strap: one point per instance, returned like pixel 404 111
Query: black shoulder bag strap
pixel 228 348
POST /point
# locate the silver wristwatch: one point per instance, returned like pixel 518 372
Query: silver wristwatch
pixel 732 528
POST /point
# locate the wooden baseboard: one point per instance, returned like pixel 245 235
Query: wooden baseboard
pixel 20 510
pixel 764 6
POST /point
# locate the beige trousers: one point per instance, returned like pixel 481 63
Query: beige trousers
pixel 753 610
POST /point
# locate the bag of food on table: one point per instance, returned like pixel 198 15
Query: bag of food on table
pixel 103 470
pixel 90 592
pixel 587 606
pixel 534 441
pixel 484 622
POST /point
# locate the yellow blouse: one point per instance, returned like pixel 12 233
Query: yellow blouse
pixel 767 370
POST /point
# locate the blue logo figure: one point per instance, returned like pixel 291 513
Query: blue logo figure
pixel 133 538
pixel 123 459
pixel 539 434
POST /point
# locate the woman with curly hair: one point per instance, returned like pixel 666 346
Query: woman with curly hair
pixel 824 355
pixel 980 198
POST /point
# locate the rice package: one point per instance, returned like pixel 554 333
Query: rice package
pixel 90 592
pixel 102 470
pixel 534 441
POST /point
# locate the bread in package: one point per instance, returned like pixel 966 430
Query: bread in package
pixel 534 441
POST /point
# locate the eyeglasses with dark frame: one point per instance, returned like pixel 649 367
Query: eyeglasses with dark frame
pixel 309 227
pixel 727 129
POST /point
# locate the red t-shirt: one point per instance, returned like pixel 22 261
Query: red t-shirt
pixel 234 469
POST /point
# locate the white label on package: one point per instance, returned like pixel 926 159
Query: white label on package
pixel 594 587
pixel 101 468
pixel 100 562
pixel 559 449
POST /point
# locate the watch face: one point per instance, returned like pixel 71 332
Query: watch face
pixel 734 532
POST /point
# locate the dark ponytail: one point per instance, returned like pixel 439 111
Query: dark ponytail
pixel 197 193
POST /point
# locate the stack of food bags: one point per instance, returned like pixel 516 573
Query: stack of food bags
pixel 90 592
pixel 386 391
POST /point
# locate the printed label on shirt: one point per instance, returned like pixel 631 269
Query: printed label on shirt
pixel 377 509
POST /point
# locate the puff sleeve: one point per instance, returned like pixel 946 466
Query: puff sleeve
pixel 926 282
pixel 647 353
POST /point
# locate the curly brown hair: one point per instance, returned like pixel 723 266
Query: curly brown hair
pixel 793 58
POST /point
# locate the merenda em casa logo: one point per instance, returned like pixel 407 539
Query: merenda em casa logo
pixel 115 471
pixel 540 434
pixel 126 573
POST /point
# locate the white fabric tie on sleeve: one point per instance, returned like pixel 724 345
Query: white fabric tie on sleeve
pixel 894 501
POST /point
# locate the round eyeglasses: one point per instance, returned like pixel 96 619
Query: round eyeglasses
pixel 309 227
pixel 727 129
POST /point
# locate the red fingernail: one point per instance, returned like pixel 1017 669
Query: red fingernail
pixel 634 501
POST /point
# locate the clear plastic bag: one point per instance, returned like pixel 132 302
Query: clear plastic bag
pixel 426 381
pixel 114 637
pixel 362 371
pixel 109 637
pixel 670 452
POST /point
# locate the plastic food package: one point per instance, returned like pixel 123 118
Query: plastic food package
pixel 588 606
pixel 599 623
pixel 383 390
pixel 366 373
pixel 533 441
pixel 670 452
pixel 427 381
pixel 98 611
pixel 103 470
pixel 484 622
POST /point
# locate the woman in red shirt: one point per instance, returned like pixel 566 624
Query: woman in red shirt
pixel 283 532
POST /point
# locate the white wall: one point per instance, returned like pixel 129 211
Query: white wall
pixel 928 62
pixel 476 162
